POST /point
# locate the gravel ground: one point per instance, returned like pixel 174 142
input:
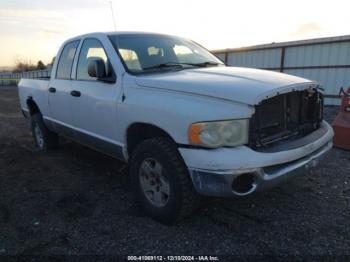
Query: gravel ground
pixel 75 201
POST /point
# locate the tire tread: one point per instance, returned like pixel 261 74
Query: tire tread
pixel 189 197
pixel 50 138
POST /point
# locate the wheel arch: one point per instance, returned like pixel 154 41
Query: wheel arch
pixel 138 132
pixel 32 106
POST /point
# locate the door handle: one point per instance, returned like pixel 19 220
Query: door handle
pixel 75 93
pixel 52 90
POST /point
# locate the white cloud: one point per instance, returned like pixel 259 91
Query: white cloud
pixel 308 28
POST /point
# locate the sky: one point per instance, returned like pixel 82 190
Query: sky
pixel 32 30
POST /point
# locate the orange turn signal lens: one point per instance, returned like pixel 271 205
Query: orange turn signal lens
pixel 194 133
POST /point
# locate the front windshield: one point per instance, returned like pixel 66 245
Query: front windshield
pixel 143 53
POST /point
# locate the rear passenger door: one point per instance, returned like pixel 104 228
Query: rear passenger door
pixel 60 88
pixel 95 110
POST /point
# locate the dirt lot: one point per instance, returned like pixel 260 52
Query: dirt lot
pixel 77 201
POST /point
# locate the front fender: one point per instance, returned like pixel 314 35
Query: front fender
pixel 174 112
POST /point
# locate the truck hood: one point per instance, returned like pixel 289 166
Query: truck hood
pixel 237 84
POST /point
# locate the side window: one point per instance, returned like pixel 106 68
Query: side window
pixel 65 62
pixel 130 58
pixel 90 48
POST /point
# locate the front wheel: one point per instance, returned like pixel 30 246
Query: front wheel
pixel 162 183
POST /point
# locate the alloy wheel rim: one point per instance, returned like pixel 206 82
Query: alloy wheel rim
pixel 154 184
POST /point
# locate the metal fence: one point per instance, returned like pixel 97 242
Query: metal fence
pixel 326 60
pixel 13 78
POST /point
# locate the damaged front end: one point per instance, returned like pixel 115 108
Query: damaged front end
pixel 285 117
pixel 287 137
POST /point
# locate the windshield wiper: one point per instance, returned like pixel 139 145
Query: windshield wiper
pixel 207 63
pixel 164 65
pixel 178 64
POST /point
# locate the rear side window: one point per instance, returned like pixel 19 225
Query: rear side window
pixel 91 48
pixel 65 63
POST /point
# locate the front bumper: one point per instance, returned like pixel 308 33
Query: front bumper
pixel 241 171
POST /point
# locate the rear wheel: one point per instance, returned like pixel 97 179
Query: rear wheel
pixel 44 138
pixel 162 183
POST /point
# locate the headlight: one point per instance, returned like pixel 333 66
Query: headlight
pixel 219 133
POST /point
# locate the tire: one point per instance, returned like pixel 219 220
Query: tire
pixel 44 139
pixel 182 198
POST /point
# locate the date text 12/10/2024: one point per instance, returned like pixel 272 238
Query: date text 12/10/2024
pixel 173 258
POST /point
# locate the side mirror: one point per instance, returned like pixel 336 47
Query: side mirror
pixel 97 68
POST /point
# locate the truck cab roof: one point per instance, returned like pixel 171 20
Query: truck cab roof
pixel 99 34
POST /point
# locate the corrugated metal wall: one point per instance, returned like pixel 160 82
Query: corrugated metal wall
pixel 324 60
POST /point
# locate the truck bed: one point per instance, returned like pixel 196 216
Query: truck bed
pixel 36 89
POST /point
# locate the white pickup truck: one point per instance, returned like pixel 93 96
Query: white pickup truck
pixel 184 121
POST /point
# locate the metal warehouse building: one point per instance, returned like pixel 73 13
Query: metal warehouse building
pixel 326 60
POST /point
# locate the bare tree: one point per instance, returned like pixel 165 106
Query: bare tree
pixel 52 61
pixel 23 65
pixel 40 65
